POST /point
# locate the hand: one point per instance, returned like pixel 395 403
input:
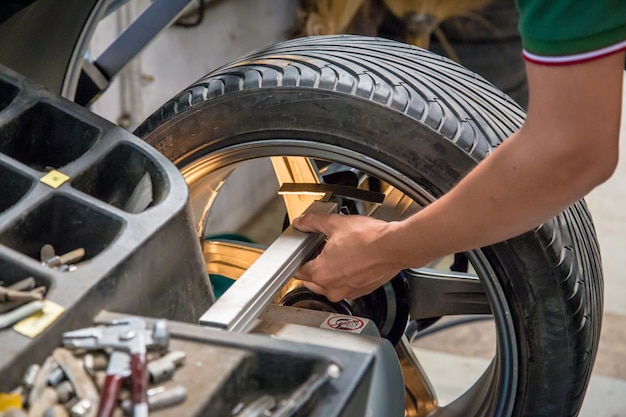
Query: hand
pixel 357 257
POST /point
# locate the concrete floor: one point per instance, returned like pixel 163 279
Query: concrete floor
pixel 454 360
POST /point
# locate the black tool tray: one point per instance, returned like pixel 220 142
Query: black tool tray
pixel 147 263
pixel 223 370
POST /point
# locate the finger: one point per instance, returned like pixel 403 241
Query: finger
pixel 311 271
pixel 343 292
pixel 314 287
pixel 332 294
pixel 305 273
pixel 310 222
pixel 302 276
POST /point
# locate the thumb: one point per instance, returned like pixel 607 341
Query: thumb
pixel 311 222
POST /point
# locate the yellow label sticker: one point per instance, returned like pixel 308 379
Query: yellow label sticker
pixel 54 179
pixel 8 401
pixel 36 323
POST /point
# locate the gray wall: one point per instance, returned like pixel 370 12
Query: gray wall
pixel 178 57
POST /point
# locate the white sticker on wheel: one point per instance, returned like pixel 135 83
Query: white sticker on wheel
pixel 343 322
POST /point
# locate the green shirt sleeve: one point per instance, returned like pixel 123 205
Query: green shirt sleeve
pixel 568 27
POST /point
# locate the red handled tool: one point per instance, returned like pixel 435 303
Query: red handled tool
pixel 129 339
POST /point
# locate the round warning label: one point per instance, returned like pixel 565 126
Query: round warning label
pixel 344 323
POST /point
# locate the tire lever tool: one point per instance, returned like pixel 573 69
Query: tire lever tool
pixel 129 339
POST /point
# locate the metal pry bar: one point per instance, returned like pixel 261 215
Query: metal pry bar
pixel 239 307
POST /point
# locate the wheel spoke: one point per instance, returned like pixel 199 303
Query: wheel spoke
pixel 436 293
pixel 396 206
pixel 202 193
pixel 229 259
pixel 290 169
pixel 420 398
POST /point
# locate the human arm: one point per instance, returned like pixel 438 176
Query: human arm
pixel 567 146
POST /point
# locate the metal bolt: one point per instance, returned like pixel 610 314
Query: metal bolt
pixel 163 369
pixel 159 398
pixel 12 317
pixel 56 376
pixel 81 408
pixel 65 391
pixel 29 376
pixel 29 379
pixel 56 410
pixel 128 335
pixel 160 334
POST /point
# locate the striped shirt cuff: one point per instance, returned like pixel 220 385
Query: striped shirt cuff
pixel 574 58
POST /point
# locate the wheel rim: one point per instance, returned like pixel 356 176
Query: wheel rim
pixel 493 393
